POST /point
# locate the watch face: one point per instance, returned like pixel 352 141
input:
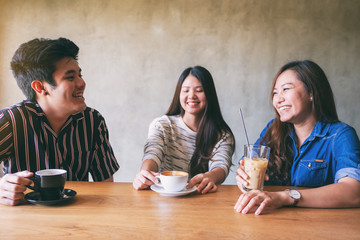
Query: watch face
pixel 294 194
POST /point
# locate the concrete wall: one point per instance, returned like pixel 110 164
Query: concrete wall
pixel 132 53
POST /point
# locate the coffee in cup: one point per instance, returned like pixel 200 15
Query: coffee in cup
pixel 256 159
pixel 173 181
pixel 49 183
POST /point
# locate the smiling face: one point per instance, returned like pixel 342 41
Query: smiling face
pixel 66 97
pixel 192 96
pixel 291 100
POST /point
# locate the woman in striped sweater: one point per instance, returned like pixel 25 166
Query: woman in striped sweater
pixel 192 136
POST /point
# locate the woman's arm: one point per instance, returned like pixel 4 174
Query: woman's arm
pixel 219 166
pixel 146 177
pixel 344 194
pixel 149 165
pixel 153 155
pixel 207 181
pixel 222 157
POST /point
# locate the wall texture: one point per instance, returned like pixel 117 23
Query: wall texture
pixel 132 53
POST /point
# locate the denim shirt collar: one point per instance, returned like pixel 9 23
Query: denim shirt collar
pixel 320 130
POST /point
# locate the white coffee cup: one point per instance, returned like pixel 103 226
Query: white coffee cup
pixel 173 181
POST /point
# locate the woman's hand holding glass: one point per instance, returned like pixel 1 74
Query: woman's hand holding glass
pixel 242 177
pixel 255 200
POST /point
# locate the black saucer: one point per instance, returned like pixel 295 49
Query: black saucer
pixel 34 198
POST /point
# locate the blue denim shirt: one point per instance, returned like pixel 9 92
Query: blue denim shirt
pixel 331 152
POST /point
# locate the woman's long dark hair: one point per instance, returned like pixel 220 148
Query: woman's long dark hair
pixel 212 125
pixel 277 135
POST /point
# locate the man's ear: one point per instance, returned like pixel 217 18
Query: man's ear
pixel 39 87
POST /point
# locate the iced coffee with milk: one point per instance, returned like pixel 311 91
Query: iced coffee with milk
pixel 256 159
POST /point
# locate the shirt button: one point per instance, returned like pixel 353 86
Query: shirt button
pixel 309 166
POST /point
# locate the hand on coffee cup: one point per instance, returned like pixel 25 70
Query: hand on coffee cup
pixel 206 184
pixel 13 186
pixel 242 178
pixel 144 179
pixel 49 183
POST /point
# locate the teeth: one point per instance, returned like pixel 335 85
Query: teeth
pixel 284 108
pixel 192 104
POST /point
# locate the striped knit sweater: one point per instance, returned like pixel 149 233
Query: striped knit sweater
pixel 171 144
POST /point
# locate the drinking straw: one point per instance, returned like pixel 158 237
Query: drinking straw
pixel 243 122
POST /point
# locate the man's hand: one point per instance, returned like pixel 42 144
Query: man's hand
pixel 13 186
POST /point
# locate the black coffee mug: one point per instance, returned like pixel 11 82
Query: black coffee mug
pixel 49 183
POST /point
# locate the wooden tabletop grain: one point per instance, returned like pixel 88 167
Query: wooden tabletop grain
pixel 103 210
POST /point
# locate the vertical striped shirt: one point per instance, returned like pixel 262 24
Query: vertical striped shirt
pixel 28 142
pixel 171 144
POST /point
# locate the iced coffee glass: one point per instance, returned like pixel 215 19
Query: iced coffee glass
pixel 256 159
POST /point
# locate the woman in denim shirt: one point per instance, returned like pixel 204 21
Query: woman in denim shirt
pixel 310 147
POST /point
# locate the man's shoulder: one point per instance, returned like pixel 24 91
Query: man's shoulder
pixel 93 113
pixel 20 104
pixel 23 106
pixel 90 110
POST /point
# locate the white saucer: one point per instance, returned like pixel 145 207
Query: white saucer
pixel 165 193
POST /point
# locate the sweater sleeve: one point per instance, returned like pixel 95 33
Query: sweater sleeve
pixel 222 154
pixel 154 145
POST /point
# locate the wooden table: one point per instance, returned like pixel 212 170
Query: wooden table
pixel 117 211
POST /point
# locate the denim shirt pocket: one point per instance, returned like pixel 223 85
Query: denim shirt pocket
pixel 311 173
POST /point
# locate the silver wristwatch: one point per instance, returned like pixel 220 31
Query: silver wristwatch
pixel 294 194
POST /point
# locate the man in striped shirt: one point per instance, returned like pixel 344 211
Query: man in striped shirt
pixel 53 128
